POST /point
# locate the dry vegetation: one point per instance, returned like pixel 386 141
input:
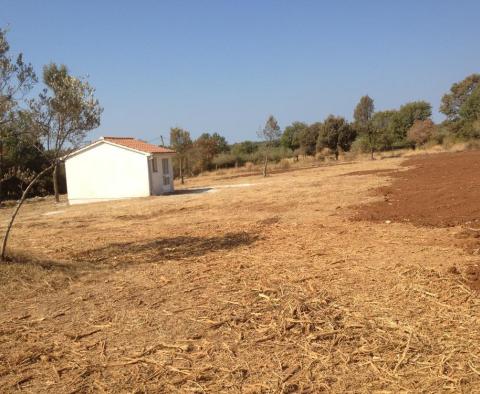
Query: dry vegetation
pixel 264 287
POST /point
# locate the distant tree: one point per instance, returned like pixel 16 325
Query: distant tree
pixel 421 132
pixel 470 109
pixel 406 116
pixel 382 122
pixel 182 143
pixel 291 135
pixel 308 139
pixel 221 144
pixel 59 119
pixel 363 115
pixel 244 148
pixel 271 133
pixel 452 102
pixel 336 133
pixel 206 147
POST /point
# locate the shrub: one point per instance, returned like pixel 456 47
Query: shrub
pixel 421 132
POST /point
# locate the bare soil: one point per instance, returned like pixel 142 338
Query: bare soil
pixel 436 190
pixel 259 289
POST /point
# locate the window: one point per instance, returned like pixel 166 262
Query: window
pixel 154 165
pixel 166 172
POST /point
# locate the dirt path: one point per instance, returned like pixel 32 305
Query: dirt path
pixel 267 288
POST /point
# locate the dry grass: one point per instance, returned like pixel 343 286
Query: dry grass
pixel 261 288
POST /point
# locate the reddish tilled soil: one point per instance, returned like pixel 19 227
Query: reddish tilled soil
pixel 439 190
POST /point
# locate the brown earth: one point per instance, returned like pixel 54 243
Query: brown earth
pixel 264 287
pixel 436 190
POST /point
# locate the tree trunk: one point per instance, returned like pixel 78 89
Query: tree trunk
pixel 372 150
pixel 55 183
pixel 17 208
pixel 265 166
pixel 336 154
pixel 181 170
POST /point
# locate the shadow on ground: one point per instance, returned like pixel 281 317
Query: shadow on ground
pixel 156 250
pixel 192 191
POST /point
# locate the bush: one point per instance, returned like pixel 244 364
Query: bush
pixel 360 145
pixel 284 164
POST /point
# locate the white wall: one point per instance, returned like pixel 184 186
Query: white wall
pixel 157 177
pixel 106 172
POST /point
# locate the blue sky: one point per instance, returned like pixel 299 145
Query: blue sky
pixel 224 66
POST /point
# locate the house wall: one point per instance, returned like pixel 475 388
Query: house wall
pixel 157 177
pixel 106 172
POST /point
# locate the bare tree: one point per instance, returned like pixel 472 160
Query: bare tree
pixel 60 119
pixel 271 133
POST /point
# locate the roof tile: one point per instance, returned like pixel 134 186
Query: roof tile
pixel 132 143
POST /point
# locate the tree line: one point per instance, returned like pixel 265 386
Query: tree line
pixel 371 131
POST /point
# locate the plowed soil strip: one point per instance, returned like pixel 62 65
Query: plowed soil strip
pixel 439 190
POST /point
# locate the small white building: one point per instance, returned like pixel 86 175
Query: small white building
pixel 118 167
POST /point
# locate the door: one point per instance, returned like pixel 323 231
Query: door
pixel 166 181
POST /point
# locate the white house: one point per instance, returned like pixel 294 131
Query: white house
pixel 118 167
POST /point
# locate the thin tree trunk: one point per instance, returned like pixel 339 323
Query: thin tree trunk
pixel 17 208
pixel 265 166
pixel 372 150
pixel 55 183
pixel 181 169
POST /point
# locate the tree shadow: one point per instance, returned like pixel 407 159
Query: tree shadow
pixel 157 250
pixel 119 255
pixel 192 191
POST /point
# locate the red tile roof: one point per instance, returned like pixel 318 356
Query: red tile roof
pixel 132 143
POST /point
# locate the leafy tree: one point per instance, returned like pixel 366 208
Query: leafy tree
pixel 271 133
pixel 364 111
pixel 61 116
pixel 244 148
pixel 336 133
pixel 221 144
pixel 182 143
pixel 16 80
pixel 308 138
pixel 406 116
pixel 382 122
pixel 363 115
pixel 452 102
pixel 421 131
pixel 470 109
pixel 290 138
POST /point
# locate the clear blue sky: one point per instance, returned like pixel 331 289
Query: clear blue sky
pixel 224 66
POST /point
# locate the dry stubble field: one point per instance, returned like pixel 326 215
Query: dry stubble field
pixel 284 284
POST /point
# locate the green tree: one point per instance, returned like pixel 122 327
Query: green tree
pixel 406 116
pixel 182 143
pixel 470 109
pixel 61 117
pixel 271 134
pixel 336 133
pixel 363 115
pixel 308 139
pixel 382 122
pixel 63 114
pixel 453 101
pixel 16 79
pixel 291 134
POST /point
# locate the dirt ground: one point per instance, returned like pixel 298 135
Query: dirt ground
pixel 266 287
